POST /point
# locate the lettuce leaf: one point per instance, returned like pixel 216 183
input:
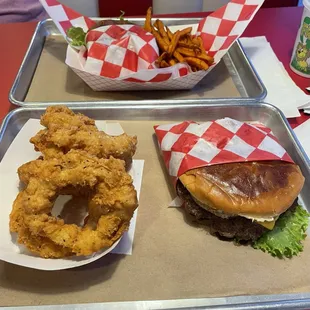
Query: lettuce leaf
pixel 285 240
pixel 76 36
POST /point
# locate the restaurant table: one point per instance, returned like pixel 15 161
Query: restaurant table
pixel 279 25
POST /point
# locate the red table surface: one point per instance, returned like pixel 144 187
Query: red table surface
pixel 279 25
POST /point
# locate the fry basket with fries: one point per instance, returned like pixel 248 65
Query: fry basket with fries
pixel 178 47
pixel 153 57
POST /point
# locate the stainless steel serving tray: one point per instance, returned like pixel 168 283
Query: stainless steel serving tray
pixel 267 114
pixel 44 79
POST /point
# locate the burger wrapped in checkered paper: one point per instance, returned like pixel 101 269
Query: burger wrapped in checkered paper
pixel 189 145
pixel 236 179
pixel 122 57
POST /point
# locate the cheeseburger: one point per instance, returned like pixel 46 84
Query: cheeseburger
pixel 241 200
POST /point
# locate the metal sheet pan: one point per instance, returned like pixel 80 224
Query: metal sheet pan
pixel 264 113
pixel 44 78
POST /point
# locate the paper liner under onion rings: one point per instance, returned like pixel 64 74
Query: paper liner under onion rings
pixel 111 196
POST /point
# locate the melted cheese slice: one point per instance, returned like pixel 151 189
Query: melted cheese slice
pixel 268 224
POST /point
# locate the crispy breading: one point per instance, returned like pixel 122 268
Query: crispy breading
pixel 42 246
pixel 112 201
pixel 66 130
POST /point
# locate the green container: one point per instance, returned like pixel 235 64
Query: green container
pixel 300 62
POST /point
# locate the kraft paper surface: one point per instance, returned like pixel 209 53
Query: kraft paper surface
pixel 55 81
pixel 172 257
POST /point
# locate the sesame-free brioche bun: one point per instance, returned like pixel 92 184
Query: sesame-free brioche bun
pixel 256 190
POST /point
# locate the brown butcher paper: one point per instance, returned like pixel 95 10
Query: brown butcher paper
pixel 54 81
pixel 172 257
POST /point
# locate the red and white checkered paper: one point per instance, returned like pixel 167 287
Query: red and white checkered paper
pixel 189 145
pixel 122 57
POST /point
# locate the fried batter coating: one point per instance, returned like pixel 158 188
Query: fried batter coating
pixel 66 130
pixel 41 246
pixel 111 195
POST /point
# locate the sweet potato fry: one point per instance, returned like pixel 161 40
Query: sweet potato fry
pixel 185 39
pixel 148 20
pixel 207 58
pixel 172 62
pixel 176 37
pixel 160 41
pixel 161 29
pixel 210 58
pixel 156 24
pixel 167 41
pixel 174 42
pixel 195 53
pixel 178 56
pixel 165 38
pixel 195 62
pixel 188 45
pixel 162 60
pixel 199 39
pixel 164 64
pixel 164 46
pixel 187 51
pixel 170 34
pixel 162 57
pixel 196 41
pixel 185 31
pixel 177 47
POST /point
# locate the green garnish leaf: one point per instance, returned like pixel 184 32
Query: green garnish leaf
pixel 285 240
pixel 122 15
pixel 76 36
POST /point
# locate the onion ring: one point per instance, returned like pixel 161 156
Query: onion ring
pixel 112 200
pixel 66 130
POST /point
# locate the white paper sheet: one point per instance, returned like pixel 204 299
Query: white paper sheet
pixel 22 151
pixel 302 132
pixel 176 202
pixel 281 89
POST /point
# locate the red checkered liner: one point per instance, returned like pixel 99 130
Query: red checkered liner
pixel 190 145
pixel 118 51
pixel 124 55
pixel 64 17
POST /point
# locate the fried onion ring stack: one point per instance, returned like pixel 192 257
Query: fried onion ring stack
pixel 66 130
pixel 112 198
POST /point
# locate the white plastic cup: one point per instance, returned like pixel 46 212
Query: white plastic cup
pixel 177 6
pixel 300 61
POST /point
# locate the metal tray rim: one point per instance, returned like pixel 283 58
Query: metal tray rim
pixel 20 70
pixel 174 105
pixel 15 85
pixel 275 301
pixel 292 301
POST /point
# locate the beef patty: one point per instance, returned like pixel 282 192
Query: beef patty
pixel 237 227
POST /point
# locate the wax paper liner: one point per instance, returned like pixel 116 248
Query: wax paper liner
pixel 124 67
pixel 189 145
